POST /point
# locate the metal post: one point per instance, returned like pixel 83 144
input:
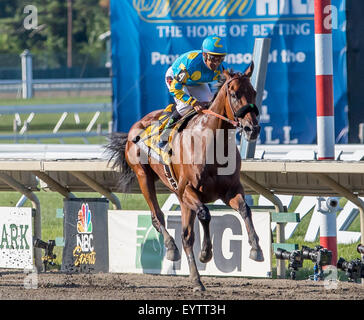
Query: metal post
pixel 328 234
pixel 361 133
pixel 98 188
pixel 27 74
pixel 69 33
pixel 54 184
pixel 260 58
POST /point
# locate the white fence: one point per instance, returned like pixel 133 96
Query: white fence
pixel 20 130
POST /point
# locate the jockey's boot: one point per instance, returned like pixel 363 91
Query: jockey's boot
pixel 163 138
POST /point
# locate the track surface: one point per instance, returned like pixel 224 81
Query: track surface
pixel 16 285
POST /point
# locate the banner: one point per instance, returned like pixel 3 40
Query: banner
pixel 16 241
pixel 85 235
pixel 135 246
pixel 148 35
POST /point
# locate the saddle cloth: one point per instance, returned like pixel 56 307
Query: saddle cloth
pixel 148 139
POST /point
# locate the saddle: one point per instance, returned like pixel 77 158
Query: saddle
pixel 148 139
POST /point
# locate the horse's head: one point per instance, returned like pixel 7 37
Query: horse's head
pixel 240 102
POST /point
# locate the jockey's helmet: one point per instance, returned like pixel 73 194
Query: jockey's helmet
pixel 214 44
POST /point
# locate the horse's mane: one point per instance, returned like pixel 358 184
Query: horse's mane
pixel 220 82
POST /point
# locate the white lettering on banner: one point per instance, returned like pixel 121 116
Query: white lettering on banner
pixel 284 7
pixel 282 29
pixel 160 58
pixel 169 31
pixel 203 31
pixel 268 136
pixel 238 58
pixel 287 136
pixel 238 30
pixel 287 56
pixel 235 30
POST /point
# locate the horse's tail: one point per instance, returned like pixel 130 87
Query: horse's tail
pixel 116 149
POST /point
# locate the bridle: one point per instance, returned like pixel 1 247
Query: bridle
pixel 241 112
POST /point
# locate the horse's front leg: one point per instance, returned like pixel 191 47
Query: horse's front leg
pixel 236 200
pixel 190 198
pixel 188 239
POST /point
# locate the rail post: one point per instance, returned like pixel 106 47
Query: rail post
pixel 27 74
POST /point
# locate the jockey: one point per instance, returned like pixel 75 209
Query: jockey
pixel 188 77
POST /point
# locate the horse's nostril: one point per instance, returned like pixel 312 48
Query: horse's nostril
pixel 247 129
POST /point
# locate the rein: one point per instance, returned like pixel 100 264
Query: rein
pixel 234 123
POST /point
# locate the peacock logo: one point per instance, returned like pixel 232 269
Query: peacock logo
pixel 84 223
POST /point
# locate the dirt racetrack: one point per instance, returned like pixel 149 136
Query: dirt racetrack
pixel 16 285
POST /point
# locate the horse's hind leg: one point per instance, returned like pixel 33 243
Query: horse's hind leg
pixel 147 186
pixel 236 201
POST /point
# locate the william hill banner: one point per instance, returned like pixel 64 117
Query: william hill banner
pixel 148 35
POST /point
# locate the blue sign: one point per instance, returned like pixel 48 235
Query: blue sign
pixel 148 35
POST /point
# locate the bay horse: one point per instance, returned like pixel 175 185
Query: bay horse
pixel 202 182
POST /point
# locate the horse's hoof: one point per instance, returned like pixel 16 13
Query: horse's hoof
pixel 205 256
pixel 198 287
pixel 256 255
pixel 173 255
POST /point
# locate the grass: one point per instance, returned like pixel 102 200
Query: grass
pixel 44 123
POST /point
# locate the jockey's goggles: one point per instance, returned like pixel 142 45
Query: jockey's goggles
pixel 215 58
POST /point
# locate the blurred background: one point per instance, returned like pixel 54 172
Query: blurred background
pixel 67 46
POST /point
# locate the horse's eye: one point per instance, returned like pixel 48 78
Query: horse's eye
pixel 237 95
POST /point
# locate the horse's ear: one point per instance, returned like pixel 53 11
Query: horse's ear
pixel 249 71
pixel 226 74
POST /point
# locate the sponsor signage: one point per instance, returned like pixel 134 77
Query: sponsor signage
pixel 85 234
pixel 135 246
pixel 16 238
pixel 148 35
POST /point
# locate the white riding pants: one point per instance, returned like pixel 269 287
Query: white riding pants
pixel 201 93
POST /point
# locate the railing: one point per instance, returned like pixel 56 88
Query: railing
pixel 20 131
pixel 58 84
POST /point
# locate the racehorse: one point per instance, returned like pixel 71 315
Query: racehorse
pixel 233 106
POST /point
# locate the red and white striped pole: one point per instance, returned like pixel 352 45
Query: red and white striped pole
pixel 325 110
pixel 328 234
pixel 324 80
